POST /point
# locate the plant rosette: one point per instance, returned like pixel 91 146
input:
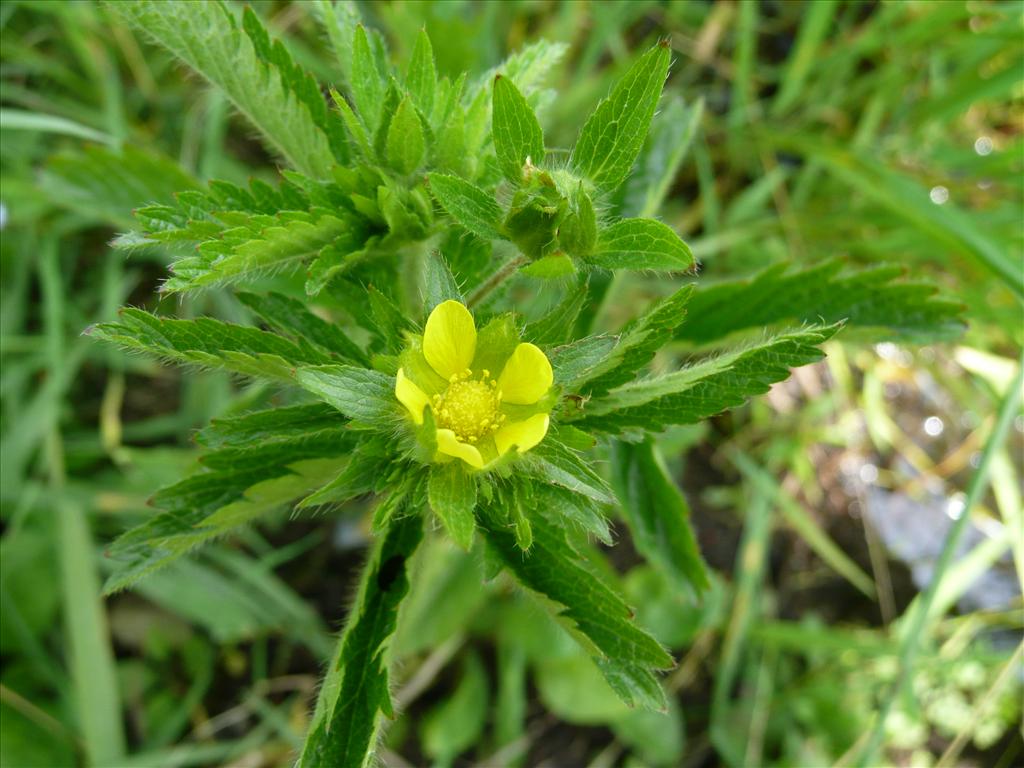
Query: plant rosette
pixel 483 396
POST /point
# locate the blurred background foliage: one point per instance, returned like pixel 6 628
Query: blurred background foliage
pixel 878 133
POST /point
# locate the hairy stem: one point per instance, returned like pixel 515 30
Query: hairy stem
pixel 503 273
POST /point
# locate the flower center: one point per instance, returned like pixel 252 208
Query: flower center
pixel 469 407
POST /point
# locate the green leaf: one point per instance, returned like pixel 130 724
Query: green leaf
pixel 366 471
pixel 454 725
pixel 209 504
pixel 672 133
pixel 873 299
pixel 107 185
pixel 406 143
pixel 365 396
pixel 366 81
pixel 299 83
pixel 595 613
pixel 581 360
pixel 290 316
pixel 421 78
pixel 638 343
pixel 284 241
pixel 657 514
pixel 517 134
pixel 560 466
pixel 641 244
pixel 452 494
pixel 556 326
pixel 704 389
pixel 207 37
pixel 469 205
pixel 209 343
pixel 356 693
pixel 440 283
pixel 264 426
pixel 613 135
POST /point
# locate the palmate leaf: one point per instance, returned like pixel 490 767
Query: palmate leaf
pixel 207 37
pixel 703 389
pixel 355 692
pixel 875 299
pixel 211 343
pixel 595 614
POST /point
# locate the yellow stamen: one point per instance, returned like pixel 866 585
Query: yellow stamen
pixel 469 407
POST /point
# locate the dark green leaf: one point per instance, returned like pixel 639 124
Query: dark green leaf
pixel 706 388
pixel 595 613
pixel 657 514
pixel 874 299
pixel 356 691
pixel 291 317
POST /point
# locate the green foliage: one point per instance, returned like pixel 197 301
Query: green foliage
pixel 554 569
pixel 355 693
pixel 657 514
pixel 261 81
pixel 408 188
pixel 641 244
pixel 517 134
pixel 613 135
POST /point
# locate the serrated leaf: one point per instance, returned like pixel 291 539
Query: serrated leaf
pixel 421 78
pixel 517 133
pixel 594 612
pixel 365 81
pixel 558 465
pixel 290 316
pixel 641 244
pixel 704 389
pixel 361 475
pixel 875 299
pixel 638 343
pixel 578 361
pixel 210 504
pixel 469 205
pixel 207 37
pixel 263 426
pixel 613 135
pixel 299 83
pixel 657 514
pixel 209 343
pixel 406 143
pixel 440 283
pixel 452 494
pixel 365 396
pixel 672 131
pixel 356 692
pixel 556 326
pixel 284 241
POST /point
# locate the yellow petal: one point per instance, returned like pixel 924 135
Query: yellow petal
pixel 411 396
pixel 450 445
pixel 522 434
pixel 449 340
pixel 527 376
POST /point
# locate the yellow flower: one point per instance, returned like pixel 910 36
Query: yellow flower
pixel 478 418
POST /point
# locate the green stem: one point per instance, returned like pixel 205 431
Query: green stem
pixel 504 272
pixel 910 645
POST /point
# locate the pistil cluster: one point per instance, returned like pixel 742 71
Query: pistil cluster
pixel 469 406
